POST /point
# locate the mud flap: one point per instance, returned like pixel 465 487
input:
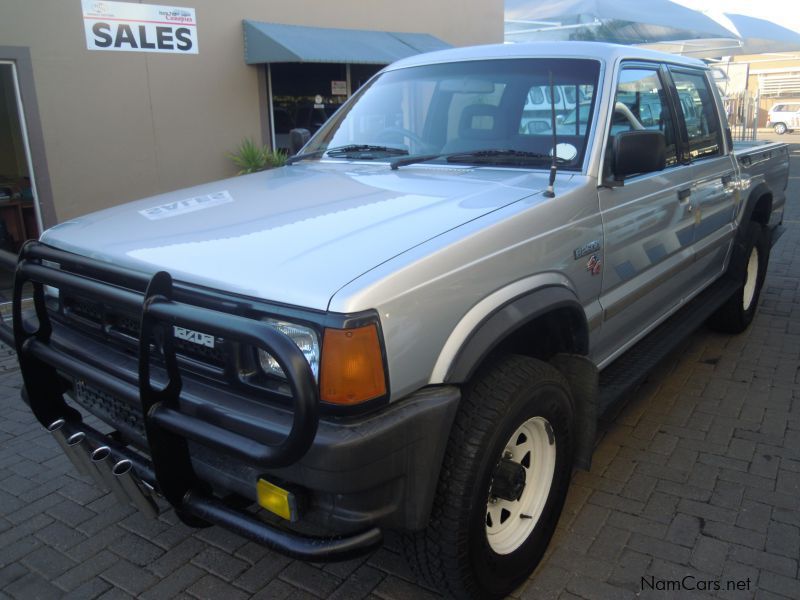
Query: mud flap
pixel 583 378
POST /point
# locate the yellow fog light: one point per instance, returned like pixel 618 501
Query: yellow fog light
pixel 276 500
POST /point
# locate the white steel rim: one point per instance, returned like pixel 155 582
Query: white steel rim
pixel 750 282
pixel 510 523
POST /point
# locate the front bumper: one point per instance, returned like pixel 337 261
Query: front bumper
pixel 206 442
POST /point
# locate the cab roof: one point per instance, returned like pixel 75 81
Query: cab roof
pixel 609 53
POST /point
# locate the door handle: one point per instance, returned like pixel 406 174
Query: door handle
pixel 729 183
pixel 684 194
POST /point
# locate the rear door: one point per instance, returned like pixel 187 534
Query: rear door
pixel 714 184
pixel 648 222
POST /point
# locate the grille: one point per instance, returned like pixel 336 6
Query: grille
pixel 86 310
pixel 103 318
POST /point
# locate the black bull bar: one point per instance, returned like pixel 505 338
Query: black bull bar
pixel 169 470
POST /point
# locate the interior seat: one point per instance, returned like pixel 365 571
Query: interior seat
pixel 480 127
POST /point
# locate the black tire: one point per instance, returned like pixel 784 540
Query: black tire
pixel 737 313
pixel 454 553
pixel 780 128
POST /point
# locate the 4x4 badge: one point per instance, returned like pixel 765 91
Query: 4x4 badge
pixel 595 265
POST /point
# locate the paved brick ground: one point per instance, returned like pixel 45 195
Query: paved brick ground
pixel 699 475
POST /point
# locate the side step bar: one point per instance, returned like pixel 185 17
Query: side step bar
pixel 627 372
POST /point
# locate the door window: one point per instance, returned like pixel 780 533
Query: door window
pixel 699 114
pixel 641 103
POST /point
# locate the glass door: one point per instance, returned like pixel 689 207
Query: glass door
pixel 19 214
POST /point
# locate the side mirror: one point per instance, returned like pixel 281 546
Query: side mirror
pixel 297 139
pixel 637 152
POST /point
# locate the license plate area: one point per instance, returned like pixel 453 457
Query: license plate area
pixel 114 411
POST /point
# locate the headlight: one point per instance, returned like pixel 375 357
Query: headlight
pixel 305 338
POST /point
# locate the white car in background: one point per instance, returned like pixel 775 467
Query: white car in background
pixel 784 117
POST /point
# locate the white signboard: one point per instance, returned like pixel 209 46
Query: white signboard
pixel 127 27
pixel 338 88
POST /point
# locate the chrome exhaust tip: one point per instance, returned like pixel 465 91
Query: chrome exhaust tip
pixel 139 494
pixel 101 461
pixel 75 446
pixel 117 477
pixel 78 444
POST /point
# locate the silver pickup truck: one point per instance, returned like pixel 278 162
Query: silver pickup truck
pixel 416 324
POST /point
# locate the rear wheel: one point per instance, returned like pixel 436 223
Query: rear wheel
pixel 504 479
pixel 751 268
pixel 780 128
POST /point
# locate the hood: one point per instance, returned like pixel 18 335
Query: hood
pixel 296 234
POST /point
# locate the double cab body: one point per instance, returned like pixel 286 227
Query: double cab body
pixel 407 326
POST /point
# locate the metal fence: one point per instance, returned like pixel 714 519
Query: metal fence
pixel 742 110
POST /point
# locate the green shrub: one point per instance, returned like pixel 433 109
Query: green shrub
pixel 275 158
pixel 251 158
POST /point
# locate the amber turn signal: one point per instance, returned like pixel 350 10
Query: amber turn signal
pixel 352 366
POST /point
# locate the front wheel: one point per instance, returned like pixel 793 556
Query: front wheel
pixel 780 128
pixel 504 480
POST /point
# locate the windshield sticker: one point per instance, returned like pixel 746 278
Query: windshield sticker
pixel 187 205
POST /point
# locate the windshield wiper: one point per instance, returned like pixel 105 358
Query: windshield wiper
pixel 491 156
pixel 365 148
pixel 348 151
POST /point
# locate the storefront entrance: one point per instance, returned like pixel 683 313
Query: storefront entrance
pixel 305 95
pixel 311 71
pixel 18 213
pixel 19 219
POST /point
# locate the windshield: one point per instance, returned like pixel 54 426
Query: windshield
pixel 502 106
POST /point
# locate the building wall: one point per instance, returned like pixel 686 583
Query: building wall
pixel 122 125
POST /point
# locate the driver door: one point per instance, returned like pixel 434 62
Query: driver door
pixel 647 222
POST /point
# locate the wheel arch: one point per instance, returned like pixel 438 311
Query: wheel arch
pixel 758 207
pixel 550 324
pixel 513 326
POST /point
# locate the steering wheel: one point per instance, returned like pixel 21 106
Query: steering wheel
pixel 622 110
pixel 403 132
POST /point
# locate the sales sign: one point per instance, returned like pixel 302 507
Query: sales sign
pixel 127 27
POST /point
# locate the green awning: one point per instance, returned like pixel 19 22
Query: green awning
pixel 276 43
